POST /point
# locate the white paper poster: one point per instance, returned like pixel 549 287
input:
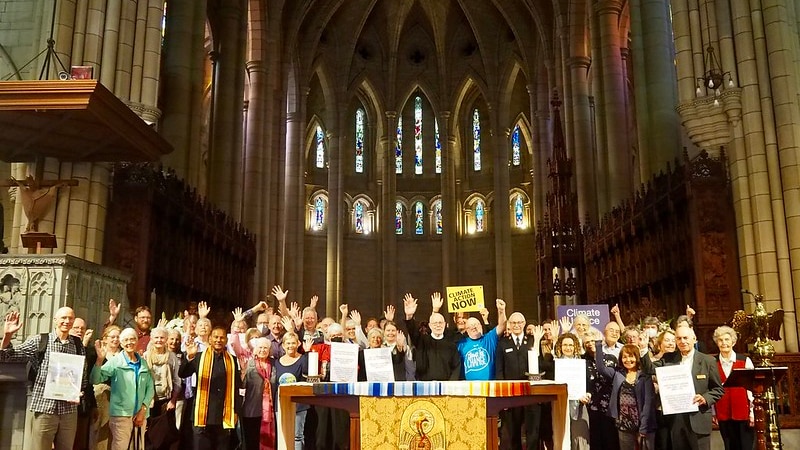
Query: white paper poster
pixel 64 377
pixel 676 388
pixel 344 362
pixel 572 371
pixel 378 362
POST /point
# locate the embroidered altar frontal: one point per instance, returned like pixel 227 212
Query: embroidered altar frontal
pixel 430 423
pixel 429 415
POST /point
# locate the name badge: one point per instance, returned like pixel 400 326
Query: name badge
pixel 509 350
pixel 701 377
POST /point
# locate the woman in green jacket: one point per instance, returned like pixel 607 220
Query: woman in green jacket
pixel 131 390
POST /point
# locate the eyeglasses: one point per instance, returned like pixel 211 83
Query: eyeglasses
pixel 568 345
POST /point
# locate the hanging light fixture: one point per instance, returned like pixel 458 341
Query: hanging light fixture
pixel 714 77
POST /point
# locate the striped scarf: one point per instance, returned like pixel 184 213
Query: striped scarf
pixel 204 370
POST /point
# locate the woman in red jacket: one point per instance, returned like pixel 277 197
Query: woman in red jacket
pixel 734 411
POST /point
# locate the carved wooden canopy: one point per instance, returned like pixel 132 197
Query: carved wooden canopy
pixel 74 120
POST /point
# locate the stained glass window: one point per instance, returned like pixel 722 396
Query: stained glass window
pixel 438 147
pixel 515 153
pixel 437 216
pixel 479 213
pixel 518 212
pixel 418 218
pixel 398 151
pixel 476 140
pixel 398 218
pixel 320 148
pixel 360 141
pixel 358 216
pixel 418 135
pixel 319 213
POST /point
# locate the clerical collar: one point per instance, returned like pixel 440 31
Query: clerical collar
pixel 437 337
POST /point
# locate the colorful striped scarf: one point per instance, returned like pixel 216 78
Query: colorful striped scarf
pixel 204 370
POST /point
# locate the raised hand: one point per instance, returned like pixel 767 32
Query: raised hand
pixel 191 349
pixel 101 352
pixel 389 313
pixel 485 314
pixel 343 309
pixel 615 310
pixel 436 301
pixel 288 323
pixel 690 311
pixel 279 293
pixel 294 311
pixel 12 324
pixel 238 315
pixel 356 316
pixel 307 343
pixel 314 301
pixel 554 329
pixel 400 343
pixel 409 306
pixel 113 308
pixel 162 322
pixel 538 334
pixel 566 324
pixel 87 337
pixel 260 306
pixel 203 309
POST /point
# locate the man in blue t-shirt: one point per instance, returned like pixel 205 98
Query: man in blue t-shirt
pixel 477 350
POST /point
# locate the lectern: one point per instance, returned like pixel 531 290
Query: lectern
pixel 759 381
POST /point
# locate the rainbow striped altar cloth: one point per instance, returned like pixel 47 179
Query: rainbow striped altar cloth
pixel 426 388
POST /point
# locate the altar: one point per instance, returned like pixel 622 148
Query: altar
pixel 441 414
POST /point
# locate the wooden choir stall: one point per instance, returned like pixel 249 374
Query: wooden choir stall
pixel 436 414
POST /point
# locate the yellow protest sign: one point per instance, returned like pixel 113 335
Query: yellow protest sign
pixel 464 298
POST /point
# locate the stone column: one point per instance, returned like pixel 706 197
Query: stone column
pixel 781 155
pixel 449 203
pixel 183 85
pixel 225 186
pixel 501 221
pixel 619 155
pixel 334 223
pixel 388 202
pixel 581 129
pixel 109 42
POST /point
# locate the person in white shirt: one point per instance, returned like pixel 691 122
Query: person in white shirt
pixel 734 411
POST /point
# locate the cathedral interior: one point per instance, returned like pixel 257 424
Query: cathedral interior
pixel 633 152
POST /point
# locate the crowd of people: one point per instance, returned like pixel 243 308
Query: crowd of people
pixel 188 383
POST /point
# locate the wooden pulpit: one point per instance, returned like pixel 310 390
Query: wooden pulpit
pixel 759 380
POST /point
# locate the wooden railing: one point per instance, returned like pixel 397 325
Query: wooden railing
pixel 788 392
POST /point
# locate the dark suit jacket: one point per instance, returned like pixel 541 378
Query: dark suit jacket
pixel 706 383
pixel 510 363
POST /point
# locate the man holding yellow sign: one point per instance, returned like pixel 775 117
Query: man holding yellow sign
pixel 464 298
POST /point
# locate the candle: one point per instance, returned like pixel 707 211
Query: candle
pixel 533 362
pixel 313 364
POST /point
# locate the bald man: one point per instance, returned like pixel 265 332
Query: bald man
pixel 693 430
pixel 54 421
pixel 511 363
pixel 436 354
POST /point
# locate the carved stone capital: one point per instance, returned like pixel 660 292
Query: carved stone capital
pixel 150 114
pixel 609 7
pixel 709 125
pixel 255 66
pixel 579 62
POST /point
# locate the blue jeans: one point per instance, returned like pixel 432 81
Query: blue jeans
pixel 299 429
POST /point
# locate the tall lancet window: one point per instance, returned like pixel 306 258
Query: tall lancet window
pixel 320 148
pixel 438 147
pixel 398 218
pixel 418 135
pixel 476 140
pixel 398 151
pixel 479 216
pixel 360 141
pixel 358 217
pixel 319 213
pixel 519 212
pixel 419 222
pixel 515 149
pixel 437 216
